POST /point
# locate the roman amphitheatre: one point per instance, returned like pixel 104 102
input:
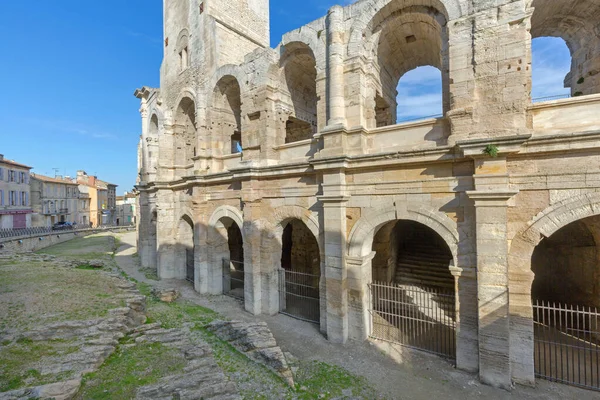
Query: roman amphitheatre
pixel 281 176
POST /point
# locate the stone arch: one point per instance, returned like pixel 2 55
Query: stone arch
pixel 283 214
pixel 361 235
pixel 218 247
pixel 521 276
pixel 576 24
pixel 298 80
pixel 452 9
pixel 396 38
pixel 185 130
pixel 235 71
pixel 226 116
pixel 311 40
pixel 227 212
pixel 182 49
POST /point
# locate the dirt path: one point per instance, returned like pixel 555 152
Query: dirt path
pixel 412 376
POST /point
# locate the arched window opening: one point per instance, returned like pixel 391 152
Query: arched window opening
pixel 412 59
pixel 576 24
pixel 153 128
pixel 550 69
pixel 185 132
pixel 413 291
pixel 185 243
pixel 566 304
pixel 420 94
pixel 227 116
pixel 182 50
pixel 301 273
pixel 300 80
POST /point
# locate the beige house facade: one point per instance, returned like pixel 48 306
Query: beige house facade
pixel 53 200
pixel 272 162
pixel 126 213
pixel 15 202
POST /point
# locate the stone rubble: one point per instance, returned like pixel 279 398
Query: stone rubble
pixel 202 378
pixel 255 340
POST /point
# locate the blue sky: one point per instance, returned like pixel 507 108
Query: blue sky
pixel 69 69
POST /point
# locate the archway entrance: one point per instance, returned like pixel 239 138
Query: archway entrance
pixel 412 293
pixel 230 251
pixel 185 242
pixel 566 298
pixel 300 273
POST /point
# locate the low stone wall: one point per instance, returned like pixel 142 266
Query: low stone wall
pixel 43 240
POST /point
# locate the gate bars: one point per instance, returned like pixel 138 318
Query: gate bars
pixel 233 278
pixel 567 344
pixel 424 319
pixel 299 295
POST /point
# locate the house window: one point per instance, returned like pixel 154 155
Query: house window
pixel 1 174
pixel 12 198
pixel 1 197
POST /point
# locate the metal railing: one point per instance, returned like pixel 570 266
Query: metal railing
pixel 567 343
pixel 419 318
pixel 22 232
pixel 299 295
pixel 550 98
pixel 418 118
pixel 233 278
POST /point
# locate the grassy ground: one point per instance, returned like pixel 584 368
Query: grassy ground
pixel 99 246
pixel 34 294
pixel 129 368
pixel 21 361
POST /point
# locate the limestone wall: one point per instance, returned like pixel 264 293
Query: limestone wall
pixel 492 177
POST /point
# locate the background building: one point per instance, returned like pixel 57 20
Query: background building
pixel 126 209
pixel 102 198
pixel 15 206
pixel 53 200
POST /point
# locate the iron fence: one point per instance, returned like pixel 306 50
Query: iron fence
pixel 419 318
pixel 567 344
pixel 233 278
pixel 21 232
pixel 299 295
pixel 549 98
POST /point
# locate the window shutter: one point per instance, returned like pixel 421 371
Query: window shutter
pixel 27 198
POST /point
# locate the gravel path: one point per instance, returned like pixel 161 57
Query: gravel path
pixel 405 374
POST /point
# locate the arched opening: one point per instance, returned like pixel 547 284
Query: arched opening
pixel 550 69
pixel 575 23
pixel 413 291
pixel 185 132
pixel 408 37
pixel 420 94
pixel 566 299
pixel 300 274
pixel 185 243
pixel 228 249
pixel 226 121
pixel 153 128
pixel 300 80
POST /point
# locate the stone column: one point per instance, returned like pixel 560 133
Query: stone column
pixel 335 70
pixel 334 226
pixel 253 236
pixel 467 346
pixel 491 196
pixel 359 276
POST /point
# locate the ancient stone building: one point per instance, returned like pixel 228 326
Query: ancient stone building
pixel 266 161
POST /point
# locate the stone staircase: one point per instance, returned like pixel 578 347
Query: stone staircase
pixel 423 265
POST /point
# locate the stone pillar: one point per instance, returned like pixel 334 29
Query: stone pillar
pixel 253 236
pixel 166 236
pixel 359 276
pixel 491 196
pixel 467 342
pixel 334 226
pixel 335 72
